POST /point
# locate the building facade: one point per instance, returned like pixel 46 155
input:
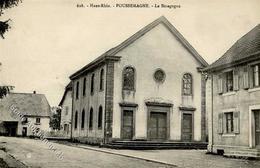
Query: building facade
pixel 66 110
pixel 149 87
pixel 233 99
pixel 34 108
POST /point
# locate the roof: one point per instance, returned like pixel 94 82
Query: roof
pixel 137 35
pixel 247 48
pixel 28 104
pixel 67 88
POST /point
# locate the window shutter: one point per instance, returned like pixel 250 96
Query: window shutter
pixel 250 76
pixel 220 84
pixel 236 122
pixel 245 78
pixel 220 123
pixel 236 79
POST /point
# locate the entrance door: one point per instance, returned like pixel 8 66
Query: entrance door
pixel 24 131
pixel 158 126
pixel 128 126
pixel 187 127
pixel 257 128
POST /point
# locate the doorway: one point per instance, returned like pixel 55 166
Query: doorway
pixel 24 131
pixel 158 126
pixel 127 125
pixel 187 127
pixel 257 128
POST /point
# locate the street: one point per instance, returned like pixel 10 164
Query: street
pixel 35 154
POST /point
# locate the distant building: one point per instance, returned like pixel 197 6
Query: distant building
pixel 233 99
pixel 147 88
pixel 66 110
pixel 34 107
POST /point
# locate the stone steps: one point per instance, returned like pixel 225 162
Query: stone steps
pixel 146 145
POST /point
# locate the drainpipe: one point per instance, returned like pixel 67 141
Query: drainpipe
pixel 212 113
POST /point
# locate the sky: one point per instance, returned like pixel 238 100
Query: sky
pixel 51 39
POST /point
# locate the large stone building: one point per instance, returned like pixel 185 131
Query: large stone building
pixel 149 87
pixel 66 110
pixel 233 99
pixel 22 112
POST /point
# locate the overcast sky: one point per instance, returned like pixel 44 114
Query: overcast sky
pixel 51 39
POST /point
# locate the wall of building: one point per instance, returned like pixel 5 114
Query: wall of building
pixel 158 48
pixel 43 126
pixel 240 101
pixel 66 117
pixel 86 102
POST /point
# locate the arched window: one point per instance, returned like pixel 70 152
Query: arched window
pixel 92 83
pixel 76 120
pixel 100 117
pixel 187 84
pixel 91 118
pixel 101 84
pixel 84 87
pixel 83 119
pixel 129 78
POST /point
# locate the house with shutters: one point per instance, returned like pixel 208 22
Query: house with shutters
pixel 233 99
pixel 66 110
pixel 24 114
pixel 148 88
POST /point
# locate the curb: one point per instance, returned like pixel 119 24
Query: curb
pixel 120 154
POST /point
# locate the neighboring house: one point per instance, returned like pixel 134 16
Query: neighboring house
pixel 66 110
pixel 233 99
pixel 34 107
pixel 149 87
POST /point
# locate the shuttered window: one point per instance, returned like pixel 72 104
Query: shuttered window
pixel 256 75
pixel 236 122
pixel 229 122
pixel 245 77
pixel 220 123
pixel 220 84
pixel 236 79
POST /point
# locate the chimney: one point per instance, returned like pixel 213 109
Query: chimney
pixel 34 92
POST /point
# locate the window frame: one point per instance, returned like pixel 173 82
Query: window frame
pixel 100 117
pixel 76 120
pixel 38 120
pixel 101 80
pixel 190 83
pixel 92 84
pixel 129 88
pixel 231 119
pixel 229 76
pixel 83 114
pixel 77 90
pixel 91 116
pixel 84 86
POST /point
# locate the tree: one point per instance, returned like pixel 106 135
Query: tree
pixel 6 4
pixel 55 118
pixel 4 89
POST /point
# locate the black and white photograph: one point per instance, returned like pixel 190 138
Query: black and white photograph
pixel 129 84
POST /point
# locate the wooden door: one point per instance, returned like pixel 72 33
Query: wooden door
pixel 158 126
pixel 257 128
pixel 127 126
pixel 187 127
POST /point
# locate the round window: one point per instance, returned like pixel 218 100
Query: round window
pixel 159 75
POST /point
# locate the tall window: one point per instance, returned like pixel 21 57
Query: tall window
pixel 256 75
pixel 101 84
pixel 229 81
pixel 77 90
pixel 83 119
pixel 84 86
pixel 76 120
pixel 128 78
pixel 91 118
pixel 100 116
pixel 187 84
pixel 66 110
pixel 92 83
pixel 229 122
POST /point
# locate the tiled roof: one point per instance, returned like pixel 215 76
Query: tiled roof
pixel 26 103
pixel 246 47
pixel 140 33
